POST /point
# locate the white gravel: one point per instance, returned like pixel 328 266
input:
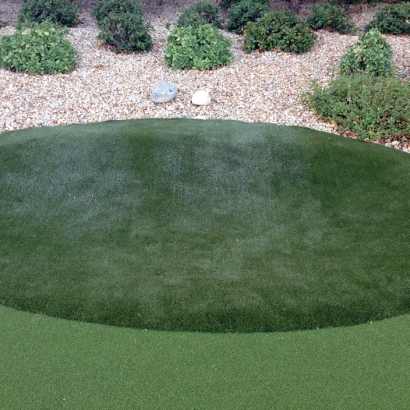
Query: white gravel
pixel 106 86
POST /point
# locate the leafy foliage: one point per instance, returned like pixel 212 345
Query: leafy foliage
pixel 392 19
pixel 227 4
pixel 283 31
pixel 125 32
pixel 329 16
pixel 360 2
pixel 2 23
pixel 371 107
pixel 197 48
pixel 61 12
pixel 105 7
pixel 243 12
pixel 38 48
pixel 199 14
pixel 372 54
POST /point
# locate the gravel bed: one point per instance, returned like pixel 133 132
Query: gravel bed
pixel 256 87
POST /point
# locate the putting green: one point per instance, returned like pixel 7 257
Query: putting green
pixel 48 364
pixel 203 225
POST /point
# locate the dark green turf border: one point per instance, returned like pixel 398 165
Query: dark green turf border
pixel 49 363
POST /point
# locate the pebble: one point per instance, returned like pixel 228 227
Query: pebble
pixel 107 86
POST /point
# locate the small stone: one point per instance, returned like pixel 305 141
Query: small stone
pixel 201 97
pixel 164 92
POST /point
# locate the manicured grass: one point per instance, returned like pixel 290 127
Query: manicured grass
pixel 203 225
pixel 49 364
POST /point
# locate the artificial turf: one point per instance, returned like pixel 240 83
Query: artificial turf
pixel 203 225
pixel 49 364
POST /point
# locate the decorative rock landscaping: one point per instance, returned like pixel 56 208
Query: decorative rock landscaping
pixel 164 92
pixel 201 97
pixel 109 86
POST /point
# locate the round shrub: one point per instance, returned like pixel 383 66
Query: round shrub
pixel 372 54
pixel 227 4
pixel 61 12
pixel 198 48
pixel 37 48
pixel 199 14
pixel 392 19
pixel 243 12
pixel 283 31
pixel 329 16
pixel 125 32
pixel 369 106
pixel 105 7
pixel 2 23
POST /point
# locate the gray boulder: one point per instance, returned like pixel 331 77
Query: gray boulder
pixel 164 92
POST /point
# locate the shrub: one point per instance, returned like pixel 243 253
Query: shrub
pixel 199 48
pixel 369 106
pixel 360 2
pixel 57 11
pixel 199 14
pixel 329 16
pixel 283 31
pixel 243 12
pixel 105 7
pixel 38 48
pixel 125 32
pixel 372 54
pixel 392 19
pixel 2 23
pixel 227 4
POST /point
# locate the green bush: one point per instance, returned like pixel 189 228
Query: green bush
pixel 243 12
pixel 372 54
pixel 329 16
pixel 38 48
pixel 276 30
pixel 2 23
pixel 360 2
pixel 125 32
pixel 227 4
pixel 369 106
pixel 105 7
pixel 392 19
pixel 199 14
pixel 61 12
pixel 198 48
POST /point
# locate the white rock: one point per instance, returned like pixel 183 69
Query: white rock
pixel 164 92
pixel 201 97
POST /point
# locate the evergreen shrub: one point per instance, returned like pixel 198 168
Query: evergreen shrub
pixel 363 104
pixel 283 31
pixel 198 48
pixel 199 14
pixel 392 19
pixel 63 12
pixel 329 16
pixel 227 4
pixel 125 32
pixel 105 7
pixel 371 54
pixel 2 23
pixel 243 12
pixel 37 48
pixel 361 2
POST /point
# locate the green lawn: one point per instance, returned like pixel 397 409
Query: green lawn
pixel 49 364
pixel 216 226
